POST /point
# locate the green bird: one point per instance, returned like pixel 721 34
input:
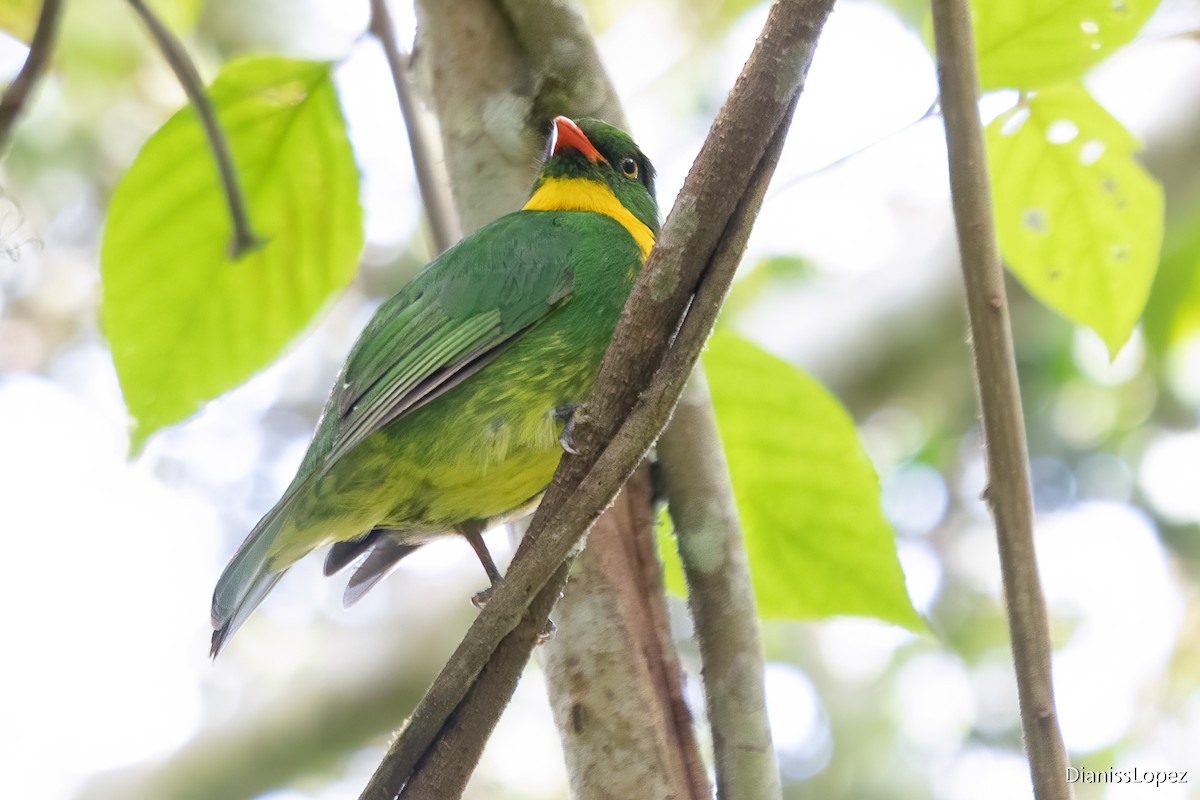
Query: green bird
pixel 453 408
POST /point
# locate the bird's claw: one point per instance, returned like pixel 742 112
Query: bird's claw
pixel 567 414
pixel 548 631
pixel 479 599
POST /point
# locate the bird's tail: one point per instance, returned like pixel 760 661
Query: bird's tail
pixel 246 580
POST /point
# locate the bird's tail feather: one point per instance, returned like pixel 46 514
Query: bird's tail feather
pixel 384 557
pixel 246 580
pixel 262 585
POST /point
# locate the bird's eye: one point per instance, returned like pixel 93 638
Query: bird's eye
pixel 629 167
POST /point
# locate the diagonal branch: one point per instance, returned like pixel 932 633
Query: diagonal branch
pixel 1008 492
pixel 497 71
pixel 18 92
pixel 435 194
pixel 244 239
pixel 695 255
pixel 447 766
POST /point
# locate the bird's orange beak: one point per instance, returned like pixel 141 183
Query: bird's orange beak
pixel 567 134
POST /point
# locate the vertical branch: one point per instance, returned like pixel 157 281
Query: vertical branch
pixel 435 194
pixel 616 685
pixel 18 92
pixel 176 56
pixel 1008 492
pixel 721 598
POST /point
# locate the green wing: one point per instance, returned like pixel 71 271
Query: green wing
pixel 451 321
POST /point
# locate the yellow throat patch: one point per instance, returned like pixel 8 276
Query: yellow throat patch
pixel 580 194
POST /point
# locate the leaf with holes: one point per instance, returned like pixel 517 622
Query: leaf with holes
pixel 185 320
pixel 1080 223
pixel 807 495
pixel 1026 44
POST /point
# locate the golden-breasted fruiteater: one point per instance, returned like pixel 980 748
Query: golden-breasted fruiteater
pixel 449 414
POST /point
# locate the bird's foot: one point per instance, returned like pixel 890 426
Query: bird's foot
pixel 548 631
pixel 567 415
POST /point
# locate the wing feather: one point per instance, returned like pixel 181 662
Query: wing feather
pixel 450 322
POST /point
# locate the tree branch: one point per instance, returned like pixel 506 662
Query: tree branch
pixel 18 92
pixel 690 258
pixel 244 239
pixel 615 683
pixel 442 770
pixel 435 195
pixel 1008 492
pixel 721 598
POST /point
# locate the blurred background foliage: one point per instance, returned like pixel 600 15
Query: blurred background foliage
pixel 851 275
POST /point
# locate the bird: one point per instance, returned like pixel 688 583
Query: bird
pixel 457 401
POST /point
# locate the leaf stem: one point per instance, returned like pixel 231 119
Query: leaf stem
pixel 1008 492
pixel 244 239
pixel 444 226
pixel 18 92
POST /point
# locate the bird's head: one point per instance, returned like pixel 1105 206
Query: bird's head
pixel 596 152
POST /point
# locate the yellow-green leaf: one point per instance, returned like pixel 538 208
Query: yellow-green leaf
pixel 186 322
pixel 18 18
pixel 807 495
pixel 1026 44
pixel 1080 223
pixel 1173 309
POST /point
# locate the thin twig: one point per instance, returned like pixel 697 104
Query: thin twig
pixel 18 92
pixel 173 51
pixel 1008 493
pixel 435 193
pixel 710 209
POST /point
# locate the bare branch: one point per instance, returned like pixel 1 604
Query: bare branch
pixel 696 254
pixel 721 598
pixel 435 193
pixel 244 239
pixel 1008 492
pixel 18 92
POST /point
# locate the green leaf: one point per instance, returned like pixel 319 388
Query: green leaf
pixel 1080 223
pixel 18 18
pixel 807 495
pixel 1027 44
pixel 1173 310
pixel 186 322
